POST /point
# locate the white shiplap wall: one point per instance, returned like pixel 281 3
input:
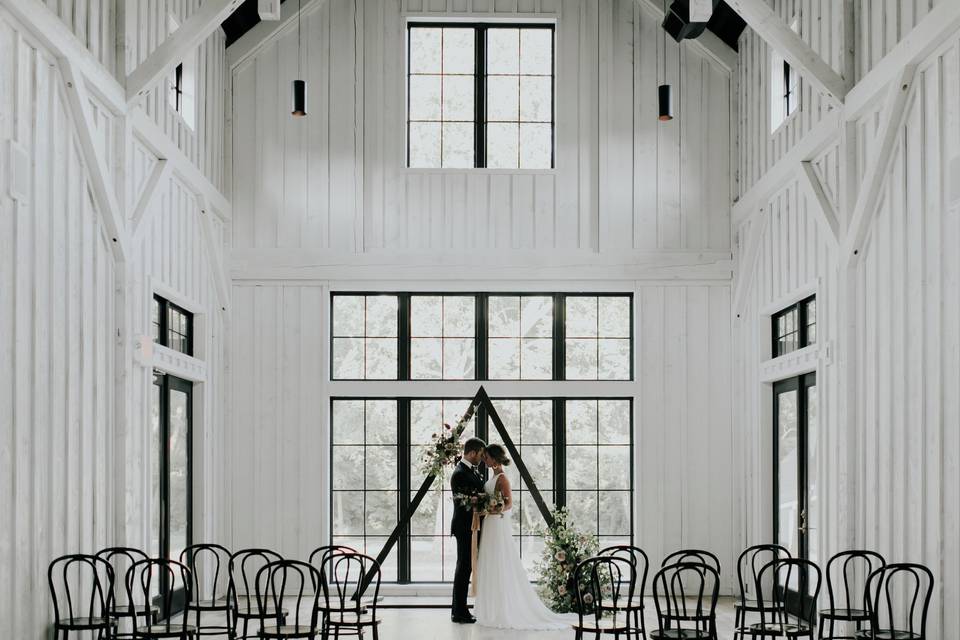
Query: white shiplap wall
pixel 74 409
pixel 336 180
pixel 888 355
pixel 57 281
pixel 278 457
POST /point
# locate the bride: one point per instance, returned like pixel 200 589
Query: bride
pixel 505 598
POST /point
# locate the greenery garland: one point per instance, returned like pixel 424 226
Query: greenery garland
pixel 565 547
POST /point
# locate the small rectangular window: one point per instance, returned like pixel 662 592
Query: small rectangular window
pixel 784 85
pixel 480 95
pixel 365 331
pixel 172 325
pixel 443 341
pixel 795 327
pixel 598 337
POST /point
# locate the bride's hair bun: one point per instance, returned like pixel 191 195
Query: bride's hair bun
pixel 499 454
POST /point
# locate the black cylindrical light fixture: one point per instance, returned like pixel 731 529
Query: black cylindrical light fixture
pixel 665 100
pixel 299 98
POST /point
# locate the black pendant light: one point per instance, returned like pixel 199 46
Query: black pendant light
pixel 299 86
pixel 664 92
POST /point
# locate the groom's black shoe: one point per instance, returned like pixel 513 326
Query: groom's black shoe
pixel 467 619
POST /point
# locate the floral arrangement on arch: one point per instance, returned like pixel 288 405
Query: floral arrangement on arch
pixel 565 547
pixel 445 447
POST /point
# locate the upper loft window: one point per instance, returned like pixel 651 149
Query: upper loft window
pixel 172 326
pixel 480 95
pixel 784 86
pixel 181 89
pixel 795 327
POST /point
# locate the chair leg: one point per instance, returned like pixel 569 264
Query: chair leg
pixel 832 634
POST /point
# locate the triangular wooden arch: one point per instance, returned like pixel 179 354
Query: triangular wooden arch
pixel 481 399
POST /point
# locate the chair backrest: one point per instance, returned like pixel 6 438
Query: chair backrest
pixel 606 582
pixel 685 595
pixel 81 586
pixel 120 560
pixel 638 557
pixel 243 568
pixel 343 573
pixel 288 582
pixel 846 576
pixel 320 555
pixel 774 582
pixel 750 561
pixel 209 567
pixel 898 598
pixel 693 555
pixel 158 580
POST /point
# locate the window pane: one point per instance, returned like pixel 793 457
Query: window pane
pixel 615 512
pixel 614 466
pixel 504 358
pixel 536 100
pixel 614 317
pixel 458 51
pixel 537 316
pixel 458 98
pixel 425 92
pixel 426 559
pixel 459 316
pixel 155 318
pixel 583 510
pixel 614 421
pixel 536 359
pixel 426 358
pixel 536 51
pixel 424 144
pixel 428 519
pixel 381 316
pixel 381 467
pixel 614 360
pixel 426 316
pixel 581 421
pixel 348 421
pixel 348 312
pixel 503 98
pixel 503 51
pixel 537 421
pixel 581 317
pixel 581 359
pixel 425 50
pixel 582 467
pixel 380 512
pixel 458 358
pixel 348 358
pixel 381 359
pixel 503 145
pixel 348 512
pixel 458 145
pixel 504 316
pixel 349 474
pixel 536 146
pixel 381 421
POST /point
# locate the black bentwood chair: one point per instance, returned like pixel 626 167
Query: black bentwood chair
pixel 169 579
pixel 244 567
pixel 319 558
pixel 80 587
pixel 748 566
pixel 693 555
pixel 296 583
pixel 779 584
pixel 604 584
pixel 350 610
pixel 208 564
pixel 849 570
pixel 898 599
pixel 641 564
pixel 685 594
pixel 120 560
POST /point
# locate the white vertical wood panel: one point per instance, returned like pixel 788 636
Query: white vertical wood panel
pixel 297 182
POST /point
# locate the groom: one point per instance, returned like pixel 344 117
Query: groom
pixel 466 479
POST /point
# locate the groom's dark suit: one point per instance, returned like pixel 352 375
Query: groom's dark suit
pixel 463 481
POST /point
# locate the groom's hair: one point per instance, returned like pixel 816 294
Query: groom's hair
pixel 474 444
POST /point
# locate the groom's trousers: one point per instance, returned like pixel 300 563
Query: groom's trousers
pixel 461 576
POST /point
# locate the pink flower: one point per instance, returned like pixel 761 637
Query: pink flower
pixel 562 590
pixel 561 556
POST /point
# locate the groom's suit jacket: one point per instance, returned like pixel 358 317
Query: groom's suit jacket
pixel 463 481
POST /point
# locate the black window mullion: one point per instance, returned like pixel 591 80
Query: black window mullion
pixel 403 489
pixel 559 336
pixel 482 332
pixel 480 97
pixel 559 452
pixel 403 336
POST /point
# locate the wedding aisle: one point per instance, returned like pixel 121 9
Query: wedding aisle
pixel 434 624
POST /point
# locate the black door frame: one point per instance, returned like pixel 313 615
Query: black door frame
pixel 796 601
pixel 168 383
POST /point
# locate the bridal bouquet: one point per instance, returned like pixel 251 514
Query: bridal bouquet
pixel 483 503
pixel 564 548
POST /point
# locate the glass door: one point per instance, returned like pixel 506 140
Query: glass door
pixel 171 467
pixel 794 486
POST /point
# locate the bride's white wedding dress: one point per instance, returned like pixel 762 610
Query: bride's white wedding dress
pixel 505 598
